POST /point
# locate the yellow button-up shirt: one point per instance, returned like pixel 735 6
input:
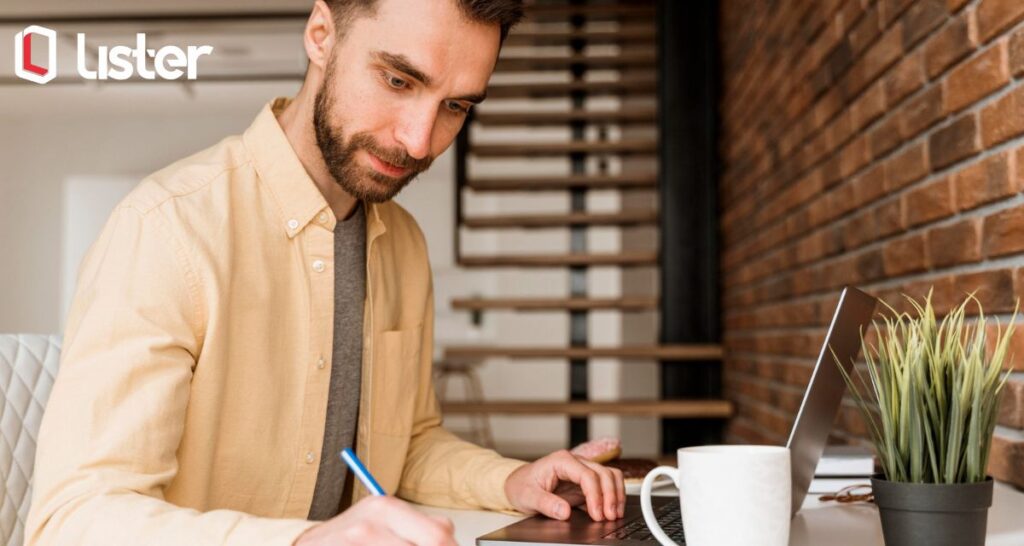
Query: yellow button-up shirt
pixel 191 399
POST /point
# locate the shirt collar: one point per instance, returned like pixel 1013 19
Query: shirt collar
pixel 299 200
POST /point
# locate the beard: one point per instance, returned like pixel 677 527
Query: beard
pixel 365 184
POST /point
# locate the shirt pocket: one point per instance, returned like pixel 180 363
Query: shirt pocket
pixel 395 380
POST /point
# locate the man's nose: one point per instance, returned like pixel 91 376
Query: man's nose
pixel 416 129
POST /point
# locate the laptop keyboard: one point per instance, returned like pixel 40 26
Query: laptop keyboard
pixel 669 518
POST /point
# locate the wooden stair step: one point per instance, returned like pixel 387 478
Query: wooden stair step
pixel 532 117
pixel 562 148
pixel 561 89
pixel 632 59
pixel 561 260
pixel 623 218
pixel 552 183
pixel 653 352
pixel 558 12
pixel 652 408
pixel 541 36
pixel 625 303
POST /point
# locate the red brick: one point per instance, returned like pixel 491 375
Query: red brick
pixel 864 32
pixel 984 182
pixel 996 15
pixel 907 167
pixel 853 156
pixel 848 15
pixel 993 289
pixel 810 248
pixel 904 79
pixel 868 107
pixel 1004 119
pixel 826 107
pixel 905 255
pixel 929 202
pixel 890 217
pixel 743 431
pixel 885 137
pixel 818 212
pixel 1006 460
pixel 841 200
pixel 1011 407
pixel 977 78
pixel 923 17
pixel 948 46
pixel 1016 363
pixel 869 266
pixel 871 185
pixel 1004 232
pixel 954 142
pixel 830 171
pixel 921 112
pixel 859 229
pixel 880 56
pixel 1017 168
pixel 955 244
pixel 944 297
pixel 1017 53
pixel 891 9
pixel 839 131
pixel 955 5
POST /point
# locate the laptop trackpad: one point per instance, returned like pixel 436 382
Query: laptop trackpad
pixel 578 529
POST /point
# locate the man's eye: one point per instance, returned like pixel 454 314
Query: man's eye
pixel 394 81
pixel 458 108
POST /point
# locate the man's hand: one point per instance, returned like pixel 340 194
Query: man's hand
pixel 383 521
pixel 554 484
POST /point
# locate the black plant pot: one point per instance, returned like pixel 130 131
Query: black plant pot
pixel 933 514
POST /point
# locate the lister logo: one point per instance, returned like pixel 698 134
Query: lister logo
pixel 116 63
pixel 24 68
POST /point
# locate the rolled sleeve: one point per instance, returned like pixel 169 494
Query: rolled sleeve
pixel 441 469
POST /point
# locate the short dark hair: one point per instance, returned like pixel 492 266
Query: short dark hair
pixel 504 13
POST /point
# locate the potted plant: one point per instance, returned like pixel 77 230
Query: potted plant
pixel 930 400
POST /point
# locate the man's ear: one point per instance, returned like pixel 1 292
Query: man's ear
pixel 318 38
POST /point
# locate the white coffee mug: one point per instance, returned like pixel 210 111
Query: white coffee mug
pixel 731 495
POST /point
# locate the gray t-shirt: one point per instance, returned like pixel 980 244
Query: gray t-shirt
pixel 346 365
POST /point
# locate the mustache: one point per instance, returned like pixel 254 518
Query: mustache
pixel 397 157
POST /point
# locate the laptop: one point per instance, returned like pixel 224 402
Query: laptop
pixel 806 443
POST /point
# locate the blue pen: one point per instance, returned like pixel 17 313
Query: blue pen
pixel 361 472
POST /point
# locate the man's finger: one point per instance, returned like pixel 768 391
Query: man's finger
pixel 416 527
pixel 445 522
pixel 550 505
pixel 570 468
pixel 366 533
pixel 609 491
pixel 620 484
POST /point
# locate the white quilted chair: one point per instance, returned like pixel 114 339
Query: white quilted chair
pixel 28 364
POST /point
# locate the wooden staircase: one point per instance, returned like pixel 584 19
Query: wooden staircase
pixel 575 26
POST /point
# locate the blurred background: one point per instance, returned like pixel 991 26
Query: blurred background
pixel 641 233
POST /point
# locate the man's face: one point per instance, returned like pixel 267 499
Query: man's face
pixel 396 91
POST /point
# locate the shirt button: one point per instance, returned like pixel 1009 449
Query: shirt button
pixel 320 363
pixel 310 457
pixel 322 217
pixel 318 266
pixel 292 224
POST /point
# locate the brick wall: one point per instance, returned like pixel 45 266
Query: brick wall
pixel 873 143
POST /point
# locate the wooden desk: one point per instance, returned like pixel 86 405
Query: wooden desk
pixel 817 523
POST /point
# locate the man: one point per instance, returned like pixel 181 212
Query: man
pixel 250 310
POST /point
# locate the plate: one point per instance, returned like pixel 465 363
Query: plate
pixel 659 482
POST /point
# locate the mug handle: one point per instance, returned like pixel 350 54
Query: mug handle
pixel 648 509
